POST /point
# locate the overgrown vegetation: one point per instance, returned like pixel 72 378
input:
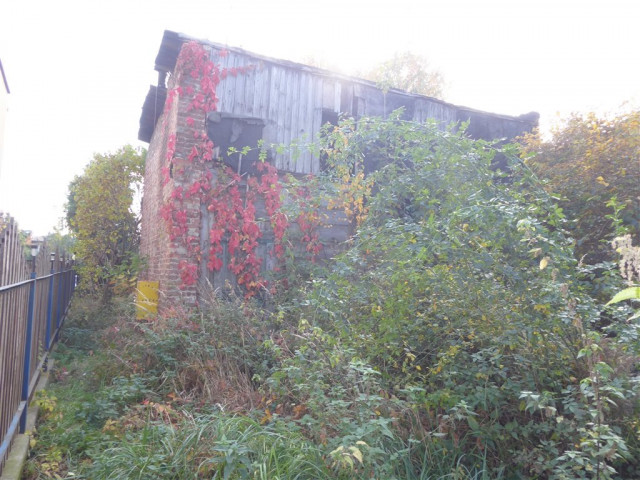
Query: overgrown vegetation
pixel 455 337
pixel 592 163
pixel 103 222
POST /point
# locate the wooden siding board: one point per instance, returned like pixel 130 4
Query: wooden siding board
pixel 372 98
pixel 394 101
pixel 261 96
pixel 337 97
pixel 272 102
pixel 328 93
pixel 298 126
pixel 240 107
pixel 234 93
pixel 362 107
pixel 358 90
pixel 266 98
pixel 228 85
pixel 295 119
pixel 280 116
pixel 292 115
pixel 286 115
pixel 346 99
pixel 249 89
pixel 272 107
pixel 303 86
pixel 221 89
pixel 308 122
pixel 421 112
pixel 426 110
pixel 257 83
pixel 317 118
pixel 225 86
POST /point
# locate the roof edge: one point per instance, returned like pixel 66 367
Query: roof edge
pixel 172 42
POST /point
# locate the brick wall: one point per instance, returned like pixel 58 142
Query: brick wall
pixel 163 255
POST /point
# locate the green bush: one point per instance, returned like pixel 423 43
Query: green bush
pixel 460 291
pixel 454 338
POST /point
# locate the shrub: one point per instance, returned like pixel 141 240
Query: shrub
pixel 460 292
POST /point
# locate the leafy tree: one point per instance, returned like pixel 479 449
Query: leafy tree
pixel 100 215
pixel 60 241
pixel 405 71
pixel 410 72
pixel 71 205
pixel 588 161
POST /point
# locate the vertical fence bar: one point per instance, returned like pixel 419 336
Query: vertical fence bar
pixel 63 287
pixel 26 377
pixel 49 311
pixel 69 288
pixel 59 299
pixel 67 285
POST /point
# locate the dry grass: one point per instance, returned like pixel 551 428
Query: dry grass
pixel 216 380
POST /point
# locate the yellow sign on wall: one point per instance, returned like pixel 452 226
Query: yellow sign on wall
pixel 147 300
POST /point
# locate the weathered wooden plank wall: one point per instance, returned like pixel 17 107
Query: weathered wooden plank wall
pixel 426 110
pixel 293 99
pixel 13 304
pixel 285 98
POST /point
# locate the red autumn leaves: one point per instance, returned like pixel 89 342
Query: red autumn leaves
pixel 231 199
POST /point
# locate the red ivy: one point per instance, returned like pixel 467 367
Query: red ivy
pixel 188 273
pixel 233 211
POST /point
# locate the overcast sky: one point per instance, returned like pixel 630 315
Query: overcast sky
pixel 79 70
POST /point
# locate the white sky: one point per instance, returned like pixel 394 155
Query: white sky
pixel 79 70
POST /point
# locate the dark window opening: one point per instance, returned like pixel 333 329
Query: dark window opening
pixel 228 131
pixel 330 117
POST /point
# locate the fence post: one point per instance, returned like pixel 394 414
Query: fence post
pixel 50 307
pixel 27 351
pixel 59 297
pixel 68 288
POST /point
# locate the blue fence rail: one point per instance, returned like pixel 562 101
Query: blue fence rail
pixel 32 312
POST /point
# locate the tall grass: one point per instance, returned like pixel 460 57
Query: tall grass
pixel 170 401
pixel 213 445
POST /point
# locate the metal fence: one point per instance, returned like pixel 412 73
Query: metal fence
pixel 34 298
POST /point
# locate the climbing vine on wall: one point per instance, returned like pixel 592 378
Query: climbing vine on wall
pixel 230 197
